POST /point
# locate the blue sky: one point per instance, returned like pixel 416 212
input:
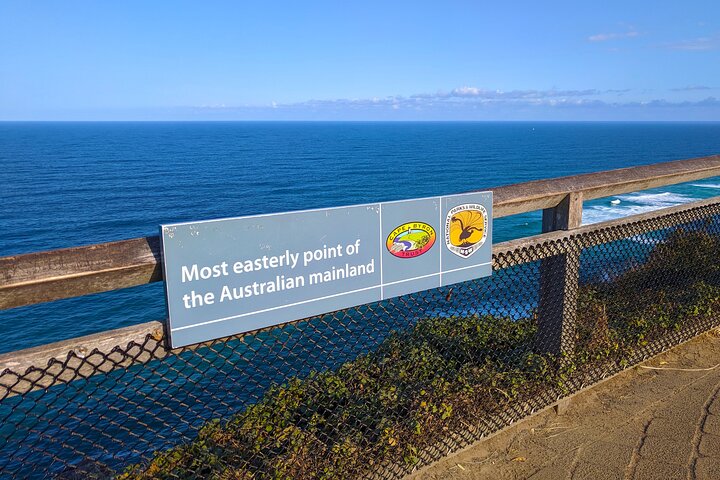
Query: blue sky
pixel 323 60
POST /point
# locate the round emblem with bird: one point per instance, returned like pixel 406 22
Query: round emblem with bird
pixel 466 229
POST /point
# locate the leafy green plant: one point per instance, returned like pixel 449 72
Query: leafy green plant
pixel 443 374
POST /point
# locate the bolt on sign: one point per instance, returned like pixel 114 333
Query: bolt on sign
pixel 229 276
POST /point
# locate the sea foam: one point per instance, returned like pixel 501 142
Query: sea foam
pixel 633 204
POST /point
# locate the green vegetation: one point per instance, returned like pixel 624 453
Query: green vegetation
pixel 444 374
pixel 677 287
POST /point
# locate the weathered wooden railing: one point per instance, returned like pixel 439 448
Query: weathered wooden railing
pixel 91 406
pixel 46 276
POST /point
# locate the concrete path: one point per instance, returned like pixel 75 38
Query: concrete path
pixel 657 421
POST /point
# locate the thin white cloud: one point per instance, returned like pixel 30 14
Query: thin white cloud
pixel 692 88
pixel 467 92
pixel 473 102
pixel 604 37
pixel 695 45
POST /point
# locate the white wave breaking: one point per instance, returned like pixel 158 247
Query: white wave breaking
pixel 633 204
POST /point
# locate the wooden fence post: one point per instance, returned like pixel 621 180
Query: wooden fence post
pixel 559 279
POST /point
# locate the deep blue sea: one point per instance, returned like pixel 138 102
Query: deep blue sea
pixel 70 184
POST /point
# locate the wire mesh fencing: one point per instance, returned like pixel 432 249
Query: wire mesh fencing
pixel 380 389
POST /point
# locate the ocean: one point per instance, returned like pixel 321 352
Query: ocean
pixel 71 184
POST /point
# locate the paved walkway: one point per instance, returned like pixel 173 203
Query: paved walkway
pixel 657 421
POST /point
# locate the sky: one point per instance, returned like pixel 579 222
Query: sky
pixel 364 60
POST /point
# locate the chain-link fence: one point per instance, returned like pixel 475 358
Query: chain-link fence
pixel 380 389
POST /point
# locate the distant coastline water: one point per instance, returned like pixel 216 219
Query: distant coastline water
pixel 70 184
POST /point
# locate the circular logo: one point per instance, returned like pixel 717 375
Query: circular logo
pixel 466 229
pixel 410 239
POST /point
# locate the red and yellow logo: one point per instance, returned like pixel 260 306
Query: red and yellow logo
pixel 411 239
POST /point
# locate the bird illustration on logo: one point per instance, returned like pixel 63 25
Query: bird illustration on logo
pixel 466 229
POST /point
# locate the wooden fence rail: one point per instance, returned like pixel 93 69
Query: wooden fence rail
pixel 71 272
pixel 75 349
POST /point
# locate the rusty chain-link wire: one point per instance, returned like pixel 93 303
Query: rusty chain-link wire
pixel 376 390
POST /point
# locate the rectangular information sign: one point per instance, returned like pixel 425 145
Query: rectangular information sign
pixel 228 276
